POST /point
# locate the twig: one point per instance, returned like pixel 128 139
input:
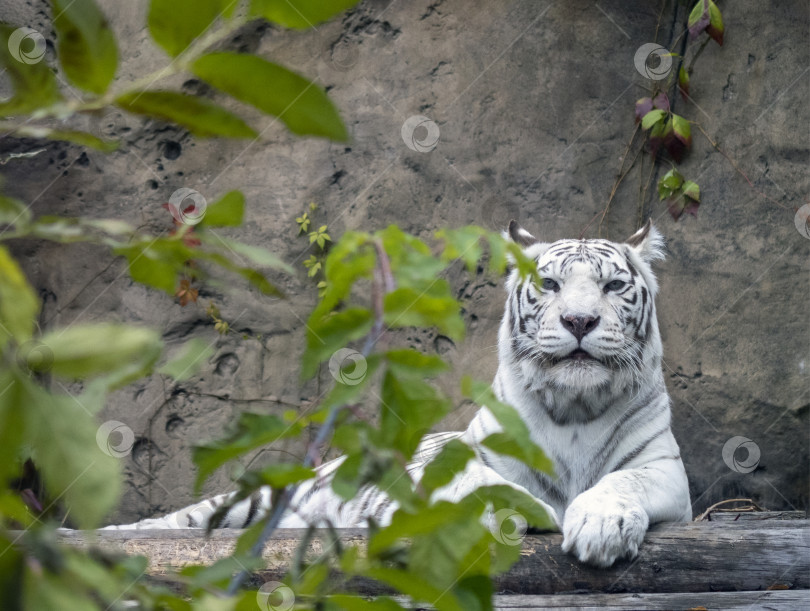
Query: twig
pixel 383 283
pixel 751 507
pixel 621 175
pixel 697 54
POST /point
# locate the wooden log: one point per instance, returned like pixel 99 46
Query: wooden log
pixel 784 600
pixel 693 557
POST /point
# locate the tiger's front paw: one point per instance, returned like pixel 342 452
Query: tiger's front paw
pixel 599 528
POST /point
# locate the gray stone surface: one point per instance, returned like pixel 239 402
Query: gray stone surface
pixel 534 103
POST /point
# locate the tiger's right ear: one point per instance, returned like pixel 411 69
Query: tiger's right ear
pixel 519 235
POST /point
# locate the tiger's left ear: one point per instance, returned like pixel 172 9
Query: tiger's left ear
pixel 647 243
pixel 520 235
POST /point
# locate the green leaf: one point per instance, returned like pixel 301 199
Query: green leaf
pixel 13 212
pixel 12 427
pixel 85 44
pixel 64 435
pixel 12 572
pixel 408 362
pixel 77 137
pixel 691 190
pixel 188 359
pixel 19 306
pixel 44 590
pixel 502 496
pixel 683 82
pixel 515 439
pixel 412 262
pixel 279 475
pixel 357 603
pixel 716 28
pixel 682 129
pixel 33 83
pixel 451 461
pixel 87 350
pixel 409 408
pixel 201 118
pixel 432 307
pixel 227 211
pixel 464 244
pixel 300 104
pixel 328 335
pixel 156 262
pixel 250 432
pixel 351 259
pixel 256 254
pixel 175 24
pixel 300 14
pixel 652 117
pixel 669 183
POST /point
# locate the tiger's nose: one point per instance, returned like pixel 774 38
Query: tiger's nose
pixel 579 326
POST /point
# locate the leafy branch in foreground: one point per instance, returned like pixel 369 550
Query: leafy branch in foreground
pixel 450 554
pixel 187 30
pixel 43 421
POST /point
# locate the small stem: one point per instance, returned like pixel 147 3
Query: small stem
pixel 383 283
pixel 621 176
pixel 697 54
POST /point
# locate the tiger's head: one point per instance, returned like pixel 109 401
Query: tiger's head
pixel 589 329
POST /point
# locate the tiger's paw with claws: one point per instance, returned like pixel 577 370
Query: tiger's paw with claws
pixel 600 528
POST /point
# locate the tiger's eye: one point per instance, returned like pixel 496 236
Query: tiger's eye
pixel 614 285
pixel 550 285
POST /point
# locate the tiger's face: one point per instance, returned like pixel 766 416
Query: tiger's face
pixel 591 322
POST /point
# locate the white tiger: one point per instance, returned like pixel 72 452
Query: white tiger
pixel 580 360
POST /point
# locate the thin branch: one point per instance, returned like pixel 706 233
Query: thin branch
pixel 383 283
pixel 697 54
pixel 621 176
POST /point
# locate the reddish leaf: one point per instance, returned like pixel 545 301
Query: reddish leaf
pixel 691 190
pixel 699 18
pixel 679 204
pixel 643 106
pixel 186 293
pixel 706 16
pixel 656 138
pixel 31 500
pixel 716 28
pixel 653 118
pixel 661 101
pixel 682 130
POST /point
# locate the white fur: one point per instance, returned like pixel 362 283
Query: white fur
pixel 603 512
